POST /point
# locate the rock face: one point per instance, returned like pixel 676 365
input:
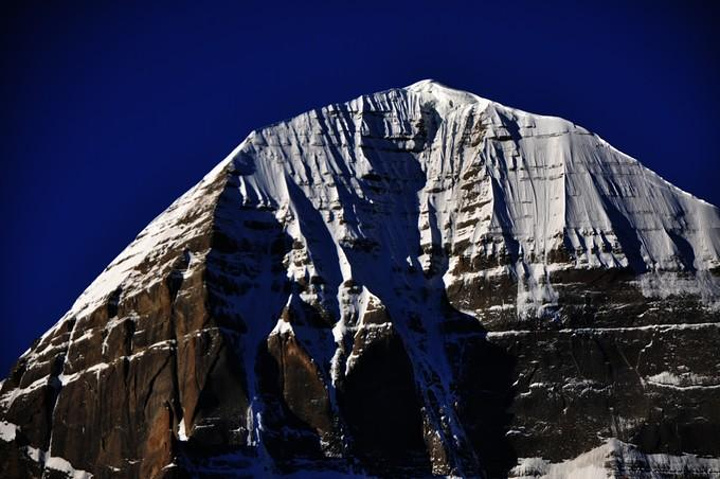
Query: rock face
pixel 417 282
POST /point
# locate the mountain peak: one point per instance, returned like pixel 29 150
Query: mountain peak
pixel 372 285
pixel 426 84
pixel 446 96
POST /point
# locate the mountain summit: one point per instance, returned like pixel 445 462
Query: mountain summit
pixel 416 282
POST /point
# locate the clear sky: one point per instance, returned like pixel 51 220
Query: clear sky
pixel 110 110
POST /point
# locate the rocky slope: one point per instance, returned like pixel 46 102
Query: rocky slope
pixel 417 282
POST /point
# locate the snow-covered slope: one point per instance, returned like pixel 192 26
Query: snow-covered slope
pixel 500 180
pixel 491 181
pixel 617 459
pixel 331 283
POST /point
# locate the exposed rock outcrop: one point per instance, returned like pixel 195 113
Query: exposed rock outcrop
pixel 417 282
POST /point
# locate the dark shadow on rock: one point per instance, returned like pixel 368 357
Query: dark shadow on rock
pixel 287 437
pixel 625 233
pixel 397 379
pixel 383 411
pixel 687 253
pixel 319 240
pixel 483 378
pixel 395 394
pixel 247 289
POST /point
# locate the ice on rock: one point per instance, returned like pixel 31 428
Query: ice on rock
pixel 617 459
pixel 7 431
pixel 486 172
pixel 411 221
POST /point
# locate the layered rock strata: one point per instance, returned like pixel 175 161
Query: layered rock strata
pixel 417 282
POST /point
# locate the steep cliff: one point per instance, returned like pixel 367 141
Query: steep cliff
pixel 417 282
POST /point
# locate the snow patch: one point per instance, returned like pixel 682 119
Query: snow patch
pixel 61 465
pixel 282 327
pixel 182 436
pixel 617 459
pixel 685 380
pixel 54 463
pixel 7 431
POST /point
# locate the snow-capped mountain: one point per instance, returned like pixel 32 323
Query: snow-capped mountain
pixel 416 282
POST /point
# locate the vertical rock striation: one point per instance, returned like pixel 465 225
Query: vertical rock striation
pixel 416 282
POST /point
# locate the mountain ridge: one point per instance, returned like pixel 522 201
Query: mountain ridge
pixel 340 282
pixel 429 86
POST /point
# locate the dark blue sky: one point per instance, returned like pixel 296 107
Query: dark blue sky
pixel 110 112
